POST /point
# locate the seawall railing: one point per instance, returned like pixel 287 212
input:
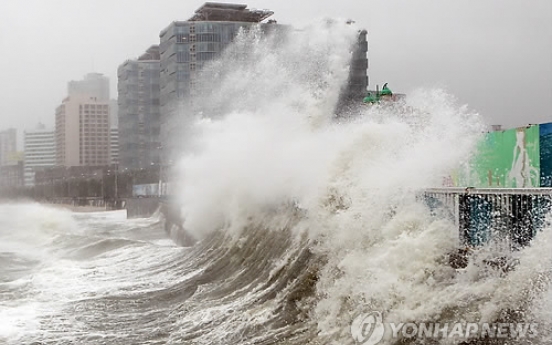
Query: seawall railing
pixel 515 215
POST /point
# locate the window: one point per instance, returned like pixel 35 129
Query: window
pixel 206 56
pixel 206 27
pixel 208 47
pixel 182 29
pixel 183 57
pixel 180 76
pixel 182 38
pixel 208 37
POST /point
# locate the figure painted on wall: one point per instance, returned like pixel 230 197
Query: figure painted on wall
pixel 522 174
pixel 386 94
pixel 370 99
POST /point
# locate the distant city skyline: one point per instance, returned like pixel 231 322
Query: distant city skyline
pixel 477 51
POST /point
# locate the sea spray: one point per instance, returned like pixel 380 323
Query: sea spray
pixel 277 141
pixel 306 220
pixel 258 138
pixel 276 96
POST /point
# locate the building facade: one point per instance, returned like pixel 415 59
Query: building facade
pixel 8 146
pixel 82 132
pixel 185 46
pixel 139 112
pixel 40 152
pixel 114 113
pixel 357 82
pixel 11 176
pixel 114 145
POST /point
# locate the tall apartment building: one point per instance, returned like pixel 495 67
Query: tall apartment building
pixel 114 145
pixel 8 146
pixel 185 46
pixel 357 83
pixel 113 113
pixel 114 131
pixel 139 112
pixel 40 152
pixel 93 84
pixel 82 131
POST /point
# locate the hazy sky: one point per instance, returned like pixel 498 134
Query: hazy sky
pixel 495 55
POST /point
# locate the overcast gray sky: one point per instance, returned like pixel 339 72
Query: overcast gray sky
pixel 495 55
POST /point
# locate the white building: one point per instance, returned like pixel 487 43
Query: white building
pixel 8 146
pixel 114 145
pixel 40 152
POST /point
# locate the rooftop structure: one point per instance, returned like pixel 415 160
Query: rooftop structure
pixel 222 12
pixel 151 54
pixel 93 85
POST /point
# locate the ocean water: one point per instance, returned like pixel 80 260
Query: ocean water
pixel 302 221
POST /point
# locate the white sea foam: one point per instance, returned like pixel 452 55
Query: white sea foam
pixel 276 146
pixel 355 180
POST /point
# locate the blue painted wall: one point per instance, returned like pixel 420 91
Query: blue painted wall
pixel 545 138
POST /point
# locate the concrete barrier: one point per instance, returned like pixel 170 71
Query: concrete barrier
pixel 172 222
pixel 141 207
pixel 514 214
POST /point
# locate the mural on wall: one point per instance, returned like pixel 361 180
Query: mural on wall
pixel 509 159
pixel 526 159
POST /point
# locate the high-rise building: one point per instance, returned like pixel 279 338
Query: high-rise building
pixel 40 152
pixel 114 145
pixel 92 85
pixel 11 176
pixel 113 113
pixel 185 46
pixel 138 103
pixel 357 83
pixel 8 146
pixel 82 131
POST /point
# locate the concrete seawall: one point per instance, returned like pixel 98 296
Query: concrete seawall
pixel 173 223
pixel 81 203
pixel 135 207
pixel 141 207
